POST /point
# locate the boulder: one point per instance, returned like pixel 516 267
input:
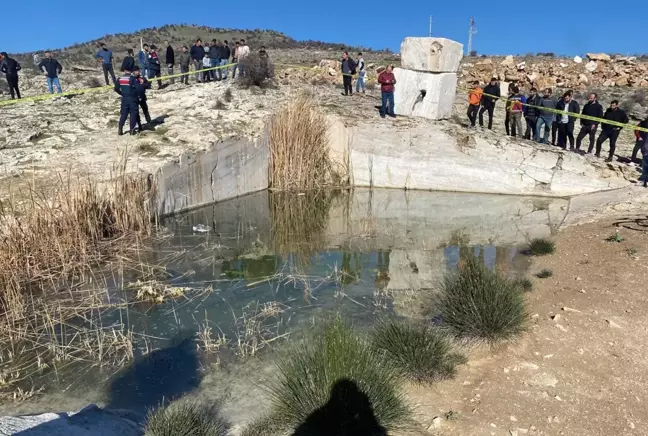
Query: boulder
pixel 436 55
pixel 582 79
pixel 599 57
pixel 591 66
pixel 426 95
pixel 578 59
pixel 508 60
pixel 622 81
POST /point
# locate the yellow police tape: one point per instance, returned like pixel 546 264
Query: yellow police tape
pixel 559 112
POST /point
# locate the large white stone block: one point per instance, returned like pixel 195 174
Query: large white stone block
pixel 437 55
pixel 427 95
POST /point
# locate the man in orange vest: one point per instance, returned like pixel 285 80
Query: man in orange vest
pixel 474 100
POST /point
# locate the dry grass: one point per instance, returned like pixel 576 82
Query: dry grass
pixel 299 151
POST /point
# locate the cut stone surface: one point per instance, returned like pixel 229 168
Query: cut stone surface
pixel 436 55
pixel 427 95
pixel 231 169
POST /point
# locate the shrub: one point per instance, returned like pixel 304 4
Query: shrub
pixel 541 247
pixel 524 284
pixel 545 273
pixel 299 150
pixel 481 304
pixel 615 238
pixel 333 380
pixel 256 70
pixel 93 82
pixel 264 426
pixel 423 354
pixel 228 95
pixel 186 418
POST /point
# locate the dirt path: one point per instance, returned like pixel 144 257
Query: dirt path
pixel 582 369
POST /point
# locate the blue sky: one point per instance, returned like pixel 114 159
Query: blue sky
pixel 569 27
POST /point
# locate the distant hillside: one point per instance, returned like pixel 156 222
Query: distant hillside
pixel 184 34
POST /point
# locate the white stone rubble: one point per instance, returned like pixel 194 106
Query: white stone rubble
pixel 435 55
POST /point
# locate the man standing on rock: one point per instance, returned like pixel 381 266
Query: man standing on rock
pixel 243 53
pixel 225 56
pixel 51 68
pixel 184 60
pixel 474 99
pixel 640 137
pixel 609 131
pixel 106 57
pixel 169 60
pixel 531 113
pixel 517 101
pixel 154 65
pixel 143 59
pixel 142 86
pixel 214 59
pixel 10 67
pixel 348 68
pixel 566 121
pixel 128 88
pixel 387 82
pixel 128 64
pixel 545 116
pixel 588 127
pixel 197 54
pixel 488 102
pixel 360 82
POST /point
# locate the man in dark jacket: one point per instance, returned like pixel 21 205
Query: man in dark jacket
pixel 348 67
pixel 640 139
pixel 531 113
pixel 128 87
pixel 184 59
pixel 197 54
pixel 489 97
pixel 10 68
pixel 545 116
pixel 215 54
pixel 106 57
pixel 141 86
pixel 617 115
pixel 566 121
pixel 588 127
pixel 154 65
pixel 142 56
pixel 169 60
pixel 225 55
pixel 128 64
pixel 51 68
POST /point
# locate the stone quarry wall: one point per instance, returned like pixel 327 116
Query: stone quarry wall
pixel 427 82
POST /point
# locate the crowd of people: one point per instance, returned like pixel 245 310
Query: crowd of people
pixel 529 116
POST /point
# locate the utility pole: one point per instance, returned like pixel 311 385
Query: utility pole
pixel 471 31
pixel 430 34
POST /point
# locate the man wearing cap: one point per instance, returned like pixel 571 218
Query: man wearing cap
pixel 10 67
pixel 106 57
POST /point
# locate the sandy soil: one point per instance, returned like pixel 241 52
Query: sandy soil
pixel 582 369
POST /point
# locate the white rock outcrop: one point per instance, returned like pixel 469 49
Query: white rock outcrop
pixel 424 95
pixel 435 55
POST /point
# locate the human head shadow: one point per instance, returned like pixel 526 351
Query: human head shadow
pixel 155 379
pixel 348 412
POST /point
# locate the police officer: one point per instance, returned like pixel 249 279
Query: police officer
pixel 142 86
pixel 127 87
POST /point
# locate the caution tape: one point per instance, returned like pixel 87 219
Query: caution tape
pixel 571 114
pixel 105 87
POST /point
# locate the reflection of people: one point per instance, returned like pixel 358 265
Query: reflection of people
pixel 348 412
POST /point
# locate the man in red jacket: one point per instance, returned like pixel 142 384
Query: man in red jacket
pixel 387 82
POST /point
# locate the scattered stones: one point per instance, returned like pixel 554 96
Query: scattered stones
pixel 613 324
pixel 578 59
pixel 599 57
pixel 543 380
pixel 569 309
pixel 435 425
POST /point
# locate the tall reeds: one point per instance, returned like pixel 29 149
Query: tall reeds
pixel 299 147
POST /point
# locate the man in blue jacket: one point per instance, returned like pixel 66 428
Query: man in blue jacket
pixel 143 60
pixel 128 87
pixel 51 68
pixel 106 57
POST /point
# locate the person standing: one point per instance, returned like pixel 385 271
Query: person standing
pixel 169 60
pixel 507 110
pixel 566 121
pixel 360 82
pixel 490 96
pixel 197 54
pixel 143 60
pixel 154 66
pixel 639 136
pixel 206 65
pixel 106 57
pixel 214 59
pixel 474 100
pixel 142 85
pixel 545 116
pixel 387 81
pixel 264 61
pixel 235 58
pixel 225 56
pixel 243 53
pixel 128 64
pixel 531 113
pixel 517 110
pixel 184 60
pixel 10 68
pixel 555 123
pixel 642 141
pixel 588 127
pixel 609 131
pixel 127 87
pixel 348 68
pixel 51 68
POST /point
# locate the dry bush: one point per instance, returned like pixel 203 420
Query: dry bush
pixel 257 71
pixel 299 151
pixel 93 82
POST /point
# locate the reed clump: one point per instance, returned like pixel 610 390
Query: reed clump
pixel 299 147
